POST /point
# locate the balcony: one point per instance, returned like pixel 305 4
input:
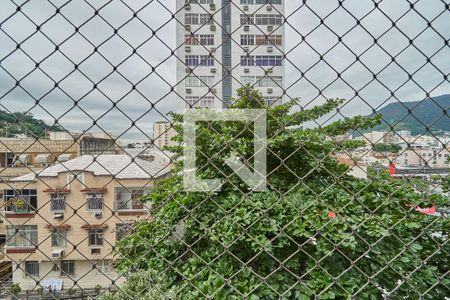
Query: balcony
pixel 127 201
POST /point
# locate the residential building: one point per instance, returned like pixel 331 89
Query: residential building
pixel 424 156
pixel 223 45
pixel 163 132
pixel 19 156
pixel 63 222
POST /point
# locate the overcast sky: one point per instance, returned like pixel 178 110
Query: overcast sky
pixel 153 98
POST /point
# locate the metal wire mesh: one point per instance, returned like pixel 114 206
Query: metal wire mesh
pixel 85 91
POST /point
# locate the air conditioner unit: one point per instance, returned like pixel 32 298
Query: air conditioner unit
pixel 212 50
pixel 269 91
pixel 269 71
pixel 270 28
pixel 213 70
pixel 246 49
pixel 269 8
pixel 246 70
pixel 58 253
pixel 212 6
pixel 188 27
pixel 270 49
pixel 58 216
pixel 212 27
pixel 245 7
pixel 213 90
pixel 98 215
pixel 246 28
pixel 188 48
pixel 188 91
pixel 187 7
pixel 95 250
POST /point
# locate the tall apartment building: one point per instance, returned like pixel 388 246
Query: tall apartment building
pixel 224 44
pixel 163 134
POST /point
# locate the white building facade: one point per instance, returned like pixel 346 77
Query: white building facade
pixel 223 45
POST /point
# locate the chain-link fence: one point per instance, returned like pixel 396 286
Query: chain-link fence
pixel 307 159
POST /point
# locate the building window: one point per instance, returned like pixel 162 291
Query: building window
pixel 94 201
pixel 191 60
pixel 20 200
pixel 261 60
pixel 58 202
pixel 206 60
pixel 261 2
pixel 269 40
pixel 128 198
pixel 31 269
pixel 247 80
pixel 196 101
pixel 191 39
pixel 59 239
pixel 268 19
pixel 95 237
pixel 207 39
pixel 191 19
pixel 272 100
pixel 205 19
pixel 104 266
pixel 67 268
pixel 123 230
pixel 269 81
pixel 199 81
pixel 22 236
pixel 201 1
pixel 247 40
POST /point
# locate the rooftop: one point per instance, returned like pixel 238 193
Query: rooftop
pixel 119 166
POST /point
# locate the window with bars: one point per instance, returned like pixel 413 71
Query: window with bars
pixel 24 200
pixel 94 201
pixel 67 268
pixel 22 236
pixel 95 237
pixel 58 202
pixel 104 266
pixel 31 269
pixel 59 239
pixel 127 198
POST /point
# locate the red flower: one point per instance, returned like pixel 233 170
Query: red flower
pixel 331 215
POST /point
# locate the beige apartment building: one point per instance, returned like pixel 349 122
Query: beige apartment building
pixel 62 223
pixel 19 156
pixel 163 134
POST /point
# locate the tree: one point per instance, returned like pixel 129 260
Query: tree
pixel 316 231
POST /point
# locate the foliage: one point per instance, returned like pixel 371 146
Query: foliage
pixel 23 123
pixel 386 148
pixel 285 242
pixel 14 289
pixel 143 285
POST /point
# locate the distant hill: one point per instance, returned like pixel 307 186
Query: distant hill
pixel 23 123
pixel 429 112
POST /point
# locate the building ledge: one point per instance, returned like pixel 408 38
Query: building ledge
pixel 11 215
pixel 20 250
pixel 131 212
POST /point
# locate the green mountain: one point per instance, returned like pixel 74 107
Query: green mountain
pixel 416 116
pixel 23 123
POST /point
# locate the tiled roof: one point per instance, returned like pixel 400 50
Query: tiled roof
pixel 120 166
